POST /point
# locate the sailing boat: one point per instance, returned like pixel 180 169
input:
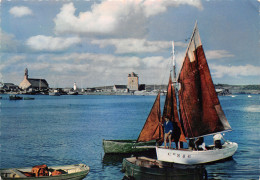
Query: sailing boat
pixel 199 108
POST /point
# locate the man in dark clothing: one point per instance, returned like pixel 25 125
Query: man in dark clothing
pixel 168 128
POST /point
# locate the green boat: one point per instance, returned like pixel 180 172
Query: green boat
pixel 72 172
pixel 127 146
pixel 139 168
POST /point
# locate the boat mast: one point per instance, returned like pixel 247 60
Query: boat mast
pixel 173 63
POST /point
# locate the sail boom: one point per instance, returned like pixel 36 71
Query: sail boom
pixel 228 130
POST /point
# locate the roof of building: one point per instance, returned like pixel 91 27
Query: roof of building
pixel 35 82
pixel 133 75
pixel 120 86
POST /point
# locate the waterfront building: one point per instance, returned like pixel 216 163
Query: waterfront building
pixel 120 88
pixel 8 87
pixel 133 82
pixel 34 84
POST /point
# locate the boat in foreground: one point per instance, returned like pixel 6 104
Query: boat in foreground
pixel 147 168
pixel 74 172
pixel 126 146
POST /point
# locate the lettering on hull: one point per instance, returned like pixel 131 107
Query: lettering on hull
pixel 179 155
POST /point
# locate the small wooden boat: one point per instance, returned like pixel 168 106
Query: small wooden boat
pixel 72 93
pixel 54 94
pixel 127 146
pixel 75 172
pixel 14 97
pixel 147 168
pixel 28 98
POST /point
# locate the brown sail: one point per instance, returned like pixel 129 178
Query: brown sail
pixel 170 111
pixel 200 108
pixel 152 129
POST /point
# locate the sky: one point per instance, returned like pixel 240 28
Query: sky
pixel 98 43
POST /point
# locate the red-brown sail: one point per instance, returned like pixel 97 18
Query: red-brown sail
pixel 152 129
pixel 200 108
pixel 170 111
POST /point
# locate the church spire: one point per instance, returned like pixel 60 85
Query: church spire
pixel 26 73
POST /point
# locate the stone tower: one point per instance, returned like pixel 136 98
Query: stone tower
pixel 133 82
pixel 26 73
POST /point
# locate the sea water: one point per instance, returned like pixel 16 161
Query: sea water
pixel 60 130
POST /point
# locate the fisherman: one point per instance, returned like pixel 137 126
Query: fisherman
pixel 192 144
pixel 217 140
pixel 168 128
pixel 200 144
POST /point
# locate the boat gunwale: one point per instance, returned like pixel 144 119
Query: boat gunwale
pixel 227 146
pixel 72 175
pixel 127 141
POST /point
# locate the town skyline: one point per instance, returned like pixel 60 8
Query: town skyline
pixel 98 43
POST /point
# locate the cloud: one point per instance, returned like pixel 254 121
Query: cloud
pixel 8 64
pixel 159 6
pixel 109 69
pixel 70 67
pixel 20 11
pixel 122 18
pixel 106 60
pixel 8 43
pixel 154 62
pixel 133 45
pixel 218 54
pixel 106 18
pixel 48 43
pixel 234 71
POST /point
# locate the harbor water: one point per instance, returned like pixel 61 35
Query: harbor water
pixel 61 130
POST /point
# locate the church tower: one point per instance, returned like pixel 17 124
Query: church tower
pixel 26 73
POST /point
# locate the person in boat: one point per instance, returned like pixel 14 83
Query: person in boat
pixel 217 140
pixel 192 144
pixel 200 144
pixel 168 128
pixel 176 135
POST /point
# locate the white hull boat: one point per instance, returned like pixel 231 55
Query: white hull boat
pixel 186 156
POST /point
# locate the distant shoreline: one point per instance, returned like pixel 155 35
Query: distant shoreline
pixel 221 89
